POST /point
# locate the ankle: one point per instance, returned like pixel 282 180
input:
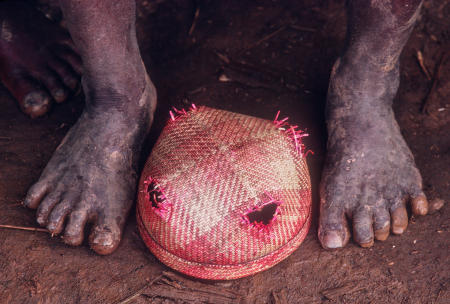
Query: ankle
pixel 356 87
pixel 137 103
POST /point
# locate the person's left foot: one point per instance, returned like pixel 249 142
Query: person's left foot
pixel 369 172
pixel 92 175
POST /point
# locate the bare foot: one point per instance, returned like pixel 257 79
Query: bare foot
pixel 92 177
pixel 369 173
pixel 38 63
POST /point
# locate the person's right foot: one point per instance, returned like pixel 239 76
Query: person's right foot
pixel 92 175
pixel 38 63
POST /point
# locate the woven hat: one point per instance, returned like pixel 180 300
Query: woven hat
pixel 224 195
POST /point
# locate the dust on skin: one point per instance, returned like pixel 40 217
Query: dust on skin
pixel 361 124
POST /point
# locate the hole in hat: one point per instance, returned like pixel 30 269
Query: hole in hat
pixel 263 215
pixel 155 195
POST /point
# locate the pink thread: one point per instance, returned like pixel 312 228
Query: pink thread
pixel 280 123
pixel 309 152
pixel 176 113
pixel 294 133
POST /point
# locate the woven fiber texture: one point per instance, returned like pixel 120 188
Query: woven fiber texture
pixel 224 195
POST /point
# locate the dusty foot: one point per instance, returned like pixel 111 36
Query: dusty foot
pixel 369 173
pixel 37 61
pixel 91 177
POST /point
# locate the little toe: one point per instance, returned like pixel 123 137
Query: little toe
pixel 73 235
pixel 35 194
pixel 58 215
pixel 399 219
pixel 381 224
pixel 46 206
pixel 435 205
pixel 419 205
pixel 106 235
pixel 333 228
pixel 363 228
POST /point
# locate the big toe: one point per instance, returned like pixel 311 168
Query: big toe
pixel 33 99
pixel 105 236
pixel 333 228
pixel 332 239
pixel 36 103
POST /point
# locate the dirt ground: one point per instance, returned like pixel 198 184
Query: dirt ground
pixel 253 57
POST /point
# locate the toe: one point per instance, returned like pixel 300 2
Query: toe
pixel 66 41
pixel 33 100
pixel 56 88
pixel 381 223
pixel 363 228
pixel 419 205
pixel 332 239
pixel 58 215
pixel 35 195
pixel 106 235
pixel 73 234
pixel 399 219
pixel 35 103
pixel 333 228
pixel 435 205
pixel 71 58
pixel 65 72
pixel 46 206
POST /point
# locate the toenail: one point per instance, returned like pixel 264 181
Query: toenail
pixel 59 95
pixel 367 244
pixel 103 243
pixel 332 240
pixel 51 227
pixel 436 205
pixel 40 221
pixel 420 205
pixel 398 229
pixel 36 99
pixel 382 234
pixel 36 104
pixel 104 240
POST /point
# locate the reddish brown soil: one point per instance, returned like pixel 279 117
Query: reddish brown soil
pixel 278 55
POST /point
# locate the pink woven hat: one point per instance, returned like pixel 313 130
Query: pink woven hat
pixel 224 195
